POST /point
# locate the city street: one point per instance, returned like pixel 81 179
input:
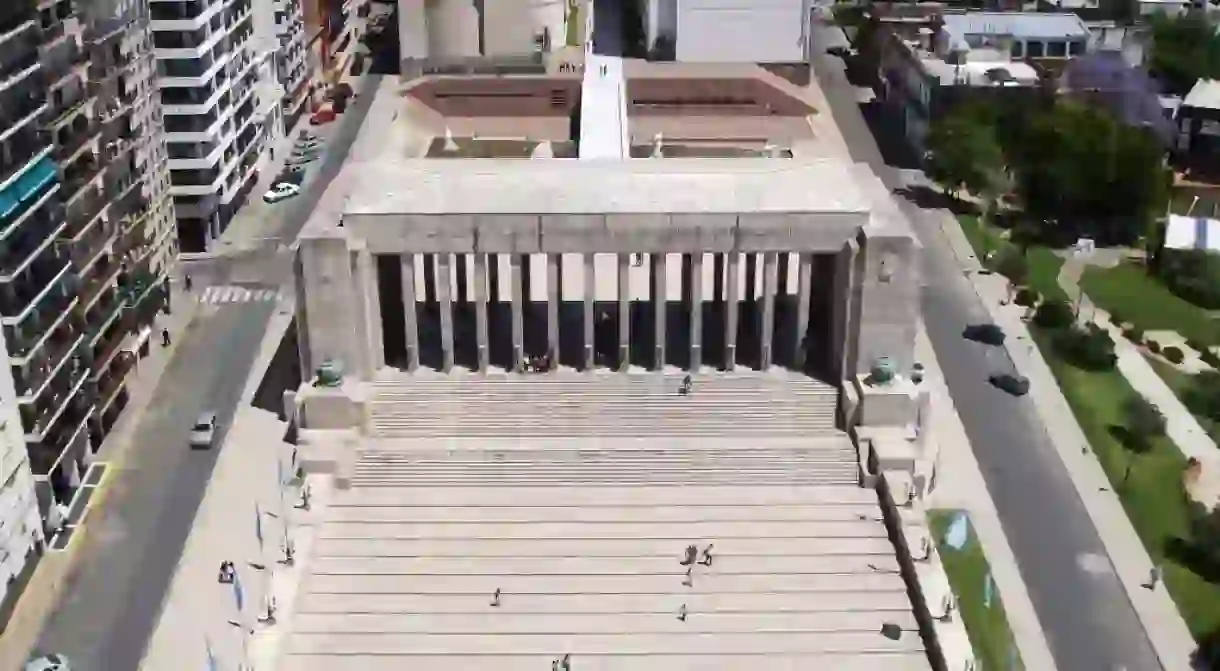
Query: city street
pixel 1089 620
pixel 132 544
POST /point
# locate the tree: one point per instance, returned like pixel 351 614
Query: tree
pixel 1144 422
pixel 1013 265
pixel 963 153
pixel 1081 169
pixel 1203 394
pixel 1185 49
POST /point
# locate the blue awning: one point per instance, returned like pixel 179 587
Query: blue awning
pixel 25 186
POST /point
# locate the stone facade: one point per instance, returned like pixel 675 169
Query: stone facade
pixel 733 236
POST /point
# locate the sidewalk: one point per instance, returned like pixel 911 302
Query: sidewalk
pixel 55 568
pixel 1165 627
pixel 960 484
pixel 200 615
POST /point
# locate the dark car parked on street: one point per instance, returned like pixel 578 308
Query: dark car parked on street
pixel 988 334
pixel 1016 385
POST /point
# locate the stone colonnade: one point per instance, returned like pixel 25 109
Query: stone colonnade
pixel 727 279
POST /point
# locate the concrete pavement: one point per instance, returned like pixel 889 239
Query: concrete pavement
pixel 114 593
pixel 1089 619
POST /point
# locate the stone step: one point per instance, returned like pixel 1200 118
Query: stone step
pixel 512 604
pixel 692 640
pixel 473 661
pixel 485 585
pixel 844 477
pixel 443 428
pixel 642 475
pixel 490 621
pixel 641 532
pixel 549 458
pixel 410 451
pixel 826 554
pixel 564 566
pixel 850 497
pixel 666 514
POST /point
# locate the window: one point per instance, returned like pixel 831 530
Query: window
pixel 1018 49
pixel 1056 49
pixel 1035 49
pixel 1076 47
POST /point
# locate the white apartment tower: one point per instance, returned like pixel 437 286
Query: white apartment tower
pixel 291 65
pixel 221 106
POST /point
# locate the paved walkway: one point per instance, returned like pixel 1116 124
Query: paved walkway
pixel 960 484
pixel 1180 425
pixel 43 591
pixel 1165 627
pixel 201 614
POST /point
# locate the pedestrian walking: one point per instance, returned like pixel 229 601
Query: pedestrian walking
pixel 495 599
pixel 687 384
pixel 186 282
pixel 1154 577
pixel 165 337
pixel 689 580
pixel 690 555
pixel 706 558
pixel 682 613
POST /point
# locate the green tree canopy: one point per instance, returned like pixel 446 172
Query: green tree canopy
pixel 1090 174
pixel 1185 49
pixel 963 153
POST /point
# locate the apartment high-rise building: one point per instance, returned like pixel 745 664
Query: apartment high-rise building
pixel 28 186
pixel 221 105
pixel 291 63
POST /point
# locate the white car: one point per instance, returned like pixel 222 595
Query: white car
pixel 203 431
pixel 48 663
pixel 308 144
pixel 281 191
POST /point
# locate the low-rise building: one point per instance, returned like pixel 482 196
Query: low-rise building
pixel 1198 126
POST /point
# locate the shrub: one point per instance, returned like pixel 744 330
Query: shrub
pixel 1011 263
pixel 1115 319
pixel 1202 396
pixel 1134 334
pixel 1054 314
pixel 1153 346
pixel 1192 274
pixel 1209 357
pixel 1196 345
pixel 1173 354
pixel 1027 298
pixel 1090 348
pixel 1144 421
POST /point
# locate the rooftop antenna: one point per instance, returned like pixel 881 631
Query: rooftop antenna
pixel 658 146
pixel 450 145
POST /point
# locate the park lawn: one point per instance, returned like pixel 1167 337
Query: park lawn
pixel 968 570
pixel 1152 495
pixel 1128 290
pixel 1044 264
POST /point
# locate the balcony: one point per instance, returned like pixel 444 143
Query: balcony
pixel 107 342
pixel 98 279
pixel 27 337
pixel 35 370
pixel 20 68
pixel 85 246
pixel 112 380
pixel 71 141
pixel 68 432
pixel 26 182
pixel 80 175
pixel 40 414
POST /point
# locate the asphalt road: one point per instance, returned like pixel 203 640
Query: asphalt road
pixel 1089 621
pixel 113 596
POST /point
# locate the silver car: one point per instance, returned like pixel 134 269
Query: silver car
pixel 204 431
pixel 48 663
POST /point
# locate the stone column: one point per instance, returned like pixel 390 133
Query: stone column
pixel 518 320
pixel 590 296
pixel 696 312
pixel 660 267
pixel 367 313
pixel 429 278
pixel 493 277
pixel 410 315
pixel 804 290
pixel 767 332
pixel 552 307
pixel 730 319
pixel 480 310
pixel 444 293
pixel 624 310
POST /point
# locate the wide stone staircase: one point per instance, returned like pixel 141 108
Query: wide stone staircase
pixel 481 577
pixel 744 404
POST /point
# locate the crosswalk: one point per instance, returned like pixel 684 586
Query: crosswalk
pixel 236 294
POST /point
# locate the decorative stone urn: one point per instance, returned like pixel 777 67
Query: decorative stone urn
pixel 883 371
pixel 329 374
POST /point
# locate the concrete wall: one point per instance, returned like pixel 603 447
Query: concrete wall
pixel 704 96
pixel 499 96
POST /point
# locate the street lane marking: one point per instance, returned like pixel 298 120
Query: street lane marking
pixel 236 294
